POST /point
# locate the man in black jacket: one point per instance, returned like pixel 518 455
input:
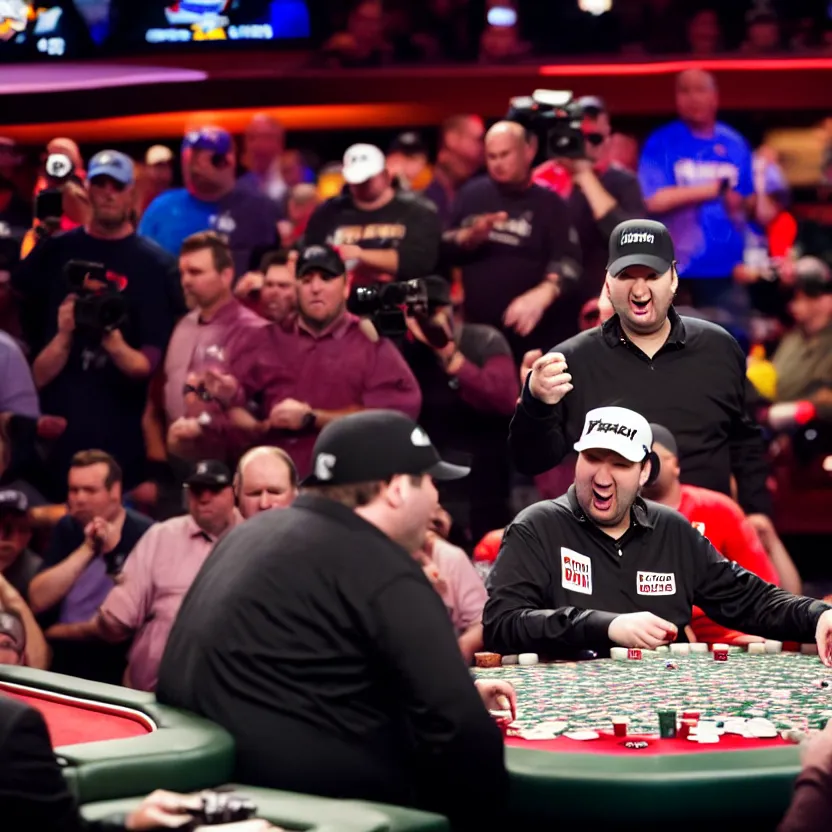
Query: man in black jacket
pixel 684 373
pixel 600 566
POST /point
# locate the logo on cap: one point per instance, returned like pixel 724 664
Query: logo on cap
pixel 202 468
pixel 419 438
pixel 636 237
pixel 324 463
pixel 314 251
pixel 610 427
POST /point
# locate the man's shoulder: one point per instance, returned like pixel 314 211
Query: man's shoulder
pixel 477 186
pixel 591 340
pixel 415 201
pixel 616 175
pixel 544 512
pixel 663 517
pixel 699 330
pixel 671 132
pixel 171 198
pixel 139 523
pixel 149 250
pixel 725 133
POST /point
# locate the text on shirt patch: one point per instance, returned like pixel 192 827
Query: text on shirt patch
pixel 576 571
pixel 655 583
pixel 693 172
pixel 610 427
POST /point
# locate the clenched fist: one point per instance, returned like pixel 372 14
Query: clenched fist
pixel 549 382
pixel 641 629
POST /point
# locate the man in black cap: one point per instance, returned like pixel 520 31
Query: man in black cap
pixel 314 637
pixel 684 373
pixel 18 563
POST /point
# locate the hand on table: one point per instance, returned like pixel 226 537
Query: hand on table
pixel 823 637
pixel 498 695
pixel 641 629
pixel 549 381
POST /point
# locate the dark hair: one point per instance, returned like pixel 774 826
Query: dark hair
pixel 274 258
pixel 216 243
pixel 83 459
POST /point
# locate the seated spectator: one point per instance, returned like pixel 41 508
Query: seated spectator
pixel 363 43
pixel 704 32
pixel 272 292
pixel 212 200
pixel 18 563
pixel 381 232
pixel 266 478
pixel 17 389
pixel 21 638
pixel 453 576
pixel 284 386
pixel 87 547
pixel 803 360
pixel 725 525
pixel 158 573
pixel 407 161
pixel 762 32
pixel 502 45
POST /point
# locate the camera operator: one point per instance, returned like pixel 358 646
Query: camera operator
pixel 380 231
pixel 101 303
pixel 600 194
pixel 515 244
pixel 469 388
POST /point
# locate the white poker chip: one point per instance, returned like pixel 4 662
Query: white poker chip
pixel 582 735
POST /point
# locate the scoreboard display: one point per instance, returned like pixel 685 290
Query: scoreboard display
pixel 52 30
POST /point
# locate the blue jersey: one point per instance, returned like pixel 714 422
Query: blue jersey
pixel 709 242
pixel 175 215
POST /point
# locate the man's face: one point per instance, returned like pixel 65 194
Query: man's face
pixel 279 295
pixel 202 284
pixel 642 298
pixel 696 98
pixel 263 143
pixel 112 202
pixel 8 653
pixel 266 483
pixel 205 179
pixel 160 175
pixel 372 189
pixel 417 505
pixel 596 125
pixel 15 534
pixel 467 147
pixel 508 159
pixel 606 485
pixel 669 472
pixel 811 315
pixel 88 495
pixel 211 507
pixel 321 298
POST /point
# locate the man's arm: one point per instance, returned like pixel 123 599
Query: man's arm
pixel 390 382
pixel 50 586
pixel 52 359
pixel 491 388
pixel 518 618
pixel 18 394
pixel 609 209
pixel 419 250
pixel 133 363
pixel 735 598
pixel 458 747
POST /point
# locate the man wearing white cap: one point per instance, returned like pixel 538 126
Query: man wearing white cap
pixel 599 566
pixel 381 232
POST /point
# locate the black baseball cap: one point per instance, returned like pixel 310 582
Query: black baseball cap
pixel 373 446
pixel 322 258
pixel 211 473
pixel 408 144
pixel 662 436
pixel 592 105
pixel 640 243
pixel 15 501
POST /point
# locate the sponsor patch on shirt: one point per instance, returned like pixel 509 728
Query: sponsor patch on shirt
pixel 700 527
pixel 576 571
pixel 655 583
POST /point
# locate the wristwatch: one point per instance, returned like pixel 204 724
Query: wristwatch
pixel 309 421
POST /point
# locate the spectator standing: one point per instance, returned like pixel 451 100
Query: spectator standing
pixel 514 243
pixel 75 578
pixel 381 232
pixel 469 389
pixel 696 174
pixel 96 376
pixel 159 572
pixel 272 292
pixel 212 200
pixel 157 176
pixel 263 145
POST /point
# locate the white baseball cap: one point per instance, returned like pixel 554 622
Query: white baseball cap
pixel 617 429
pixel 362 162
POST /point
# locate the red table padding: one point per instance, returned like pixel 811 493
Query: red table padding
pixel 607 743
pixel 72 721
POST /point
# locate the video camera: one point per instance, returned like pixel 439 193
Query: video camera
pixel 555 118
pixel 100 307
pixel 389 304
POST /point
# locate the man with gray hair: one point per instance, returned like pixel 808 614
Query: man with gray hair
pixel 266 478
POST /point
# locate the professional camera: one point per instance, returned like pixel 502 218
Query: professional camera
pixel 555 118
pixel 388 304
pixel 100 307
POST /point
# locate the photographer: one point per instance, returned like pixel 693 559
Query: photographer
pixel 87 548
pixel 101 303
pixel 599 193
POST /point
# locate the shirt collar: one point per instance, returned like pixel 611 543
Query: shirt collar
pixel 614 334
pixel 226 311
pixel 639 514
pixel 195 532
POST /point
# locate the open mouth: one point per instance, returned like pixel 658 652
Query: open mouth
pixel 601 502
pixel 640 307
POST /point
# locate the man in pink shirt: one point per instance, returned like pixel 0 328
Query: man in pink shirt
pixel 325 364
pixel 160 570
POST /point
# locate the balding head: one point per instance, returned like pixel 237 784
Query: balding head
pixel 266 478
pixel 263 143
pixel 509 153
pixel 697 98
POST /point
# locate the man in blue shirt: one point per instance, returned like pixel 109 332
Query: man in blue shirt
pixel 696 175
pixel 212 199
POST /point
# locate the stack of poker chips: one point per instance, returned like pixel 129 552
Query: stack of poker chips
pixel 720 652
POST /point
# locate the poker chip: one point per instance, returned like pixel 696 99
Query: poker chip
pixel 635 745
pixel 487 659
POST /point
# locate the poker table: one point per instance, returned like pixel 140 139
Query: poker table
pixel 642 780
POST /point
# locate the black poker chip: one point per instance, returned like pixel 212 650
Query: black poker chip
pixel 635 745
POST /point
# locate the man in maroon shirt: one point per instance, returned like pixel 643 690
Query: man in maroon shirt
pixel 288 382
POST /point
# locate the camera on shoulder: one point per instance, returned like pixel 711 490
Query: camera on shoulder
pixel 389 304
pixel 99 307
pixel 555 117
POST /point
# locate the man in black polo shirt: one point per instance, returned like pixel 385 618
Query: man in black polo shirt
pixel 313 636
pixel 684 373
pixel 599 566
